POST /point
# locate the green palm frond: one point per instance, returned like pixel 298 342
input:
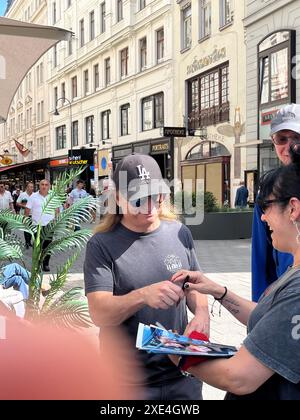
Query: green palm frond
pixel 75 240
pixel 10 221
pixel 58 281
pixel 10 251
pixel 78 213
pixel 76 293
pixel 69 312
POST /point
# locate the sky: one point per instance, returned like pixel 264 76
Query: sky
pixel 2 7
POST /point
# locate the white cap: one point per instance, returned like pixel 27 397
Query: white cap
pixel 287 118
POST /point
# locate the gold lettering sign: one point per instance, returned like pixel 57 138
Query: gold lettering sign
pixel 217 55
pixel 162 147
pixel 78 162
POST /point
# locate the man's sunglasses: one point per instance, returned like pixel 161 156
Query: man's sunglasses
pixel 140 202
pixel 281 140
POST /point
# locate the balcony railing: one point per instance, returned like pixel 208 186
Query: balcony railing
pixel 209 116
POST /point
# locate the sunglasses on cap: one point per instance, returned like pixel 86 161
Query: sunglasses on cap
pixel 282 140
pixel 140 202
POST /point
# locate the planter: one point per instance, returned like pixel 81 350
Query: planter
pixel 227 226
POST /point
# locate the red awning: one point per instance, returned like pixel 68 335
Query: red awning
pixel 8 168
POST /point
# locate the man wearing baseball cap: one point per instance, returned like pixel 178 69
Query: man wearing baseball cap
pixel 269 264
pixel 127 271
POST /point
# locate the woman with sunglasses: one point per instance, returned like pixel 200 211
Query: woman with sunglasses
pixel 267 367
pixel 128 266
pixel 268 263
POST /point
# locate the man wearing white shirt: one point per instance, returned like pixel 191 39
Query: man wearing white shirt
pixel 35 206
pixel 6 200
pixel 77 194
pixel 21 203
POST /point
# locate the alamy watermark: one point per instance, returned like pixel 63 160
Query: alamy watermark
pixel 296 329
pixel 2 68
pixel 2 328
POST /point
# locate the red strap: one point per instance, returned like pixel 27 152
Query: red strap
pixel 188 361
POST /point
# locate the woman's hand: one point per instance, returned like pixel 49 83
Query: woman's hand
pixel 195 280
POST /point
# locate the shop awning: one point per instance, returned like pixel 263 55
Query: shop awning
pixel 21 45
pixel 40 162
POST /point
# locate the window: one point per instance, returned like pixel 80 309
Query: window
pixel 107 75
pixel 96 77
pixel 74 87
pixel 61 137
pixel 119 10
pixel 40 74
pixel 143 54
pixel 92 25
pixel 69 3
pixel 226 12
pixel 55 55
pixel 142 4
pixel 54 17
pixel 124 62
pixel 63 92
pixel 70 44
pixel 106 124
pixel 276 84
pixel 208 98
pixel 55 96
pixel 86 82
pixel 40 112
pixel 205 18
pixel 125 119
pixel 160 40
pixel 75 133
pixel 81 31
pixel 41 147
pixel 28 118
pixel 89 129
pixel 153 112
pixel 102 16
pixel 186 14
pixel 30 148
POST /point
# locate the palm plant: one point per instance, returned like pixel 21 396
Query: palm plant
pixel 69 308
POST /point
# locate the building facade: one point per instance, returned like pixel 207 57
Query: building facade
pixel 28 119
pixel 272 36
pixel 110 89
pixel 117 78
pixel 210 94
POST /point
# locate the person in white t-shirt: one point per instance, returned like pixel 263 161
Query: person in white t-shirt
pixel 21 203
pixel 35 206
pixel 6 200
pixel 77 194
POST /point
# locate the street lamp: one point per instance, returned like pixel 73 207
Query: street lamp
pixel 71 122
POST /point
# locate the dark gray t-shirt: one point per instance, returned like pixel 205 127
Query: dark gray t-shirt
pixel 122 261
pixel 274 338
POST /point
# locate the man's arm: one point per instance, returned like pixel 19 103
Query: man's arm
pixel 108 310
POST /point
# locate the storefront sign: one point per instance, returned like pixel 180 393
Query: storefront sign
pixel 160 147
pixel 59 162
pixel 197 65
pixel 267 117
pixel 80 157
pixel 174 132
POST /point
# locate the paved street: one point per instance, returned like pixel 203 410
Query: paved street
pixel 227 262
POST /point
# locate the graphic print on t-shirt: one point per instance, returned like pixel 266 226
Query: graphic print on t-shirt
pixel 173 263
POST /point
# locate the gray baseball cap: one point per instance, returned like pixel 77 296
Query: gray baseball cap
pixel 137 176
pixel 287 118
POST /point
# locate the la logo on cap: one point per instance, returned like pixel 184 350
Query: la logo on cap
pixel 143 174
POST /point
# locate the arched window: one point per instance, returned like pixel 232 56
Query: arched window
pixel 206 150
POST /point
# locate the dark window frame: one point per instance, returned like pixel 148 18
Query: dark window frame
pixel 155 122
pixel 75 130
pixel 214 114
pixel 89 129
pixel 126 108
pixel 290 44
pixel 61 137
pixel 124 59
pixel 106 115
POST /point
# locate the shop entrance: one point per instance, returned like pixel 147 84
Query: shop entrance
pixel 209 162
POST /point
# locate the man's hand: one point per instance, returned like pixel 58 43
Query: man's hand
pixel 200 323
pixel 162 295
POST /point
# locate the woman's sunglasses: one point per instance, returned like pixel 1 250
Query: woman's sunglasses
pixel 282 140
pixel 265 204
